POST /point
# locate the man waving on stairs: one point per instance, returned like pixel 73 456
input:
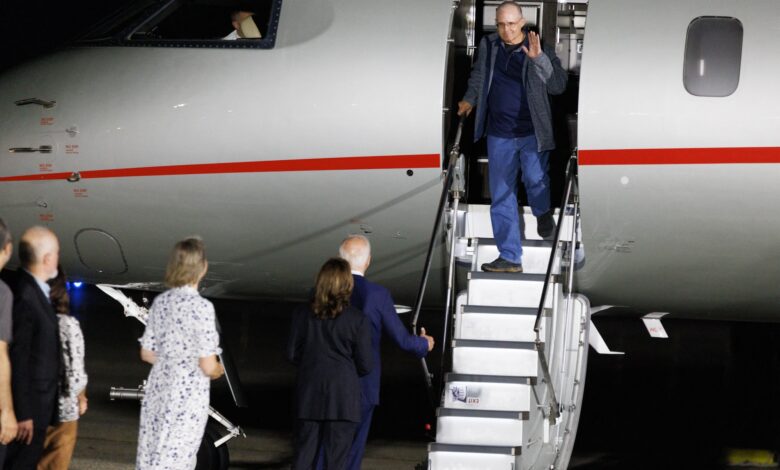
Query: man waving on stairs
pixel 509 85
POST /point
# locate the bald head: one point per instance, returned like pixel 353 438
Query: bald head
pixel 39 252
pixel 356 249
pixel 511 6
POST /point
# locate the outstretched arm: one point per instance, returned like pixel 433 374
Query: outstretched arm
pixel 395 329
pixel 476 79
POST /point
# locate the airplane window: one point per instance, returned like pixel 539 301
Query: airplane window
pixel 713 56
pixel 209 23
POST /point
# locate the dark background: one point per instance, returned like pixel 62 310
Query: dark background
pixel 32 28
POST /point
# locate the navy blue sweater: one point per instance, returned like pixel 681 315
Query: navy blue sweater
pixel 508 113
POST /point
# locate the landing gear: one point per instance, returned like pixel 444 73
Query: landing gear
pixel 211 457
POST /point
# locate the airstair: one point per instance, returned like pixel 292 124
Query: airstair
pixel 512 397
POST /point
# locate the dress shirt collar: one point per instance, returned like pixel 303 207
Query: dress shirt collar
pixel 45 288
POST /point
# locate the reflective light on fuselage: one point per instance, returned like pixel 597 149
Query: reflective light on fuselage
pixel 701 67
pixel 180 105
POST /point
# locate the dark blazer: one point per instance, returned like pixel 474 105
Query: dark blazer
pixel 377 304
pixel 35 353
pixel 330 355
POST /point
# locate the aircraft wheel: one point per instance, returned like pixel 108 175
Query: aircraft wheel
pixel 210 457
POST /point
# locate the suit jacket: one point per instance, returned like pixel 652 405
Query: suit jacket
pixel 377 304
pixel 35 353
pixel 330 355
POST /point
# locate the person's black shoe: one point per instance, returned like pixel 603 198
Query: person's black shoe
pixel 545 224
pixel 500 265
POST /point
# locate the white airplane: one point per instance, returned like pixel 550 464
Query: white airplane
pixel 336 121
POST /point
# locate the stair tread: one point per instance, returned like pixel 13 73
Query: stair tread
pixel 498 379
pixel 437 447
pixel 466 413
pixel 483 343
pixel 482 275
pixel 489 309
pixel 526 243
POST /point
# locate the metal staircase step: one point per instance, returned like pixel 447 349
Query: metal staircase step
pixel 466 457
pixel 497 323
pixel 536 254
pixel 506 358
pixel 485 392
pixel 508 289
pixel 480 427
pixel 477 223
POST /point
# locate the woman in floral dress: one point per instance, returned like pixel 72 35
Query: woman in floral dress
pixel 182 344
pixel 72 401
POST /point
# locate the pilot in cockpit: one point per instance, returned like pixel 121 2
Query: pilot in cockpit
pixel 244 26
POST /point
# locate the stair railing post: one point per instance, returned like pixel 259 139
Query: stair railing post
pixel 555 407
pixel 448 181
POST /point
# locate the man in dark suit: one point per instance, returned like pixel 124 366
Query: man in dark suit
pixel 377 304
pixel 35 350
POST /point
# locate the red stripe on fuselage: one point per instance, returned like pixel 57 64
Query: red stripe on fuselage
pixel 386 162
pixel 682 156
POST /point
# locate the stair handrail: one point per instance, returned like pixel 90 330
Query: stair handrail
pixel 571 183
pixel 448 173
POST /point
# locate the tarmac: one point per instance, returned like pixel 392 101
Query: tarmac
pixel 667 404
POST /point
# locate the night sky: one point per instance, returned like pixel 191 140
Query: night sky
pixel 30 28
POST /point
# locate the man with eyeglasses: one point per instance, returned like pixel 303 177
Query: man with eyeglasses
pixel 509 85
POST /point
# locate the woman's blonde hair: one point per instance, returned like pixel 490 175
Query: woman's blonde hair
pixel 333 289
pixel 187 263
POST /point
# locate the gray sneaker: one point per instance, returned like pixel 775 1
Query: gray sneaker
pixel 545 225
pixel 500 265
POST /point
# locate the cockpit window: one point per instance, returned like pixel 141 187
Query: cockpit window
pixel 204 24
pixel 713 56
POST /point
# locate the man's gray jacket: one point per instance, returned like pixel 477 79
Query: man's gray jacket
pixel 541 76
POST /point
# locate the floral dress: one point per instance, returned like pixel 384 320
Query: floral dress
pixel 181 329
pixel 75 380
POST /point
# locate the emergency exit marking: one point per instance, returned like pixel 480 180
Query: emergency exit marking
pixel 45 167
pixel 80 192
pixel 72 149
pixel 47 121
pixel 47 217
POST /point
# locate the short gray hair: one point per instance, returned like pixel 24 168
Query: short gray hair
pixel 356 258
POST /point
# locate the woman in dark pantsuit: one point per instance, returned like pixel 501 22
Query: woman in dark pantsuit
pixel 330 342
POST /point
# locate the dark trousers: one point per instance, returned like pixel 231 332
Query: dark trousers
pixel 361 436
pixel 358 447
pixel 335 437
pixel 20 456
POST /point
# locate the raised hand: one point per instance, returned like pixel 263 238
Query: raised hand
pixel 535 49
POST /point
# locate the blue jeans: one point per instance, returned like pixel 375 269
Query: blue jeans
pixel 505 158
